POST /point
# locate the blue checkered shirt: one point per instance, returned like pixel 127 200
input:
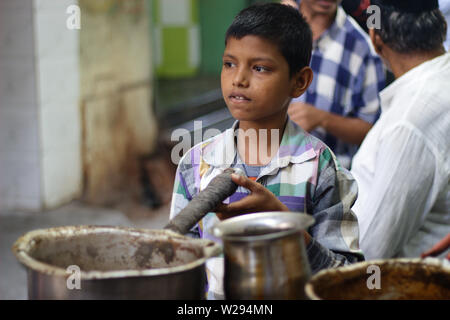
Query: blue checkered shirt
pixel 348 75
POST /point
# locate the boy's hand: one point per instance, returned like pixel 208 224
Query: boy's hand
pixel 306 115
pixel 260 199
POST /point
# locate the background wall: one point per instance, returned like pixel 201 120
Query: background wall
pixel 116 94
pixel 75 105
pixel 39 114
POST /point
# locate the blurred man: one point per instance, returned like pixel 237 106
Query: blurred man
pixel 342 102
pixel 403 165
pixel 357 9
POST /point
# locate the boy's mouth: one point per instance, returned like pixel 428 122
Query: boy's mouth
pixel 238 97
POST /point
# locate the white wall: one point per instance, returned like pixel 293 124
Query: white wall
pixel 20 173
pixel 40 163
pixel 57 65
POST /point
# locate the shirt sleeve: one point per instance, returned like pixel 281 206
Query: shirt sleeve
pixel 335 232
pixel 182 195
pixel 369 82
pixel 401 193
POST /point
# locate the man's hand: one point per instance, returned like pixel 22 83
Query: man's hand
pixel 438 248
pixel 306 115
pixel 260 199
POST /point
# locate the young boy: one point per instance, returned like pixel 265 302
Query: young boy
pixel 265 65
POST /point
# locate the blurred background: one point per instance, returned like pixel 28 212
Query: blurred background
pixel 87 111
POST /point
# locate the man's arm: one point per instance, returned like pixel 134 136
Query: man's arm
pixel 400 195
pixel 308 117
pixel 438 248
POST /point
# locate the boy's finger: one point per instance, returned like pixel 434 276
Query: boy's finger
pixel 222 216
pixel 245 182
pixel 242 206
pixel 230 209
pixel 221 208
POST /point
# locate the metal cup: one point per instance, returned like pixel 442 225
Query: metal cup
pixel 265 255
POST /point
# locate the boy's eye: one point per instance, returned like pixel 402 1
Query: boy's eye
pixel 228 64
pixel 261 69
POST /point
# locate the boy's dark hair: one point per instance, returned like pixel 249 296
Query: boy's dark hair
pixel 282 25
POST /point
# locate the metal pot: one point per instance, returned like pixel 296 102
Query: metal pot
pixel 265 255
pixel 114 263
pixel 399 279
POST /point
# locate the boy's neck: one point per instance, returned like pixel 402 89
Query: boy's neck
pixel 257 144
pixel 318 23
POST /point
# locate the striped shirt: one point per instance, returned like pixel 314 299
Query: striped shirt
pixel 348 75
pixel 304 172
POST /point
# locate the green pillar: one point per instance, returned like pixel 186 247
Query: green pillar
pixel 215 18
pixel 176 33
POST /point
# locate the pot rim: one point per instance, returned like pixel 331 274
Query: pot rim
pixel 23 245
pixel 435 262
pixel 300 221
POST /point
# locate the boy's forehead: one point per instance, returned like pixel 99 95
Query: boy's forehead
pixel 256 45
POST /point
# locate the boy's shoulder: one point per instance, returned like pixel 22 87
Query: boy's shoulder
pixel 302 143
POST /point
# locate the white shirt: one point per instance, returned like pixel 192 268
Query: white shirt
pixel 444 6
pixel 403 166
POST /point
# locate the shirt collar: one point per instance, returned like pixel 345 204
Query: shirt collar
pixel 412 75
pixel 296 147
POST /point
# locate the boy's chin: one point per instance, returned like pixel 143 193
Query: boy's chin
pixel 241 117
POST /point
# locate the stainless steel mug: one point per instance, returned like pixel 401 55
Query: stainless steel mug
pixel 265 255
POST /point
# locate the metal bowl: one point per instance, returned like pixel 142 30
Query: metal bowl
pixel 114 263
pixel 399 279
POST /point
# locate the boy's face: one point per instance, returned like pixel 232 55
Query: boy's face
pixel 255 80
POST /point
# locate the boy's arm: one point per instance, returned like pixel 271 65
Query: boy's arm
pixel 335 235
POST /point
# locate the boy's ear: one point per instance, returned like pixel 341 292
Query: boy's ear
pixel 302 79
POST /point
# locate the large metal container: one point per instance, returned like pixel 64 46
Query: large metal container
pixel 114 263
pixel 398 279
pixel 265 255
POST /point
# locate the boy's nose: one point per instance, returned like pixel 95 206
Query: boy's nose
pixel 240 79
